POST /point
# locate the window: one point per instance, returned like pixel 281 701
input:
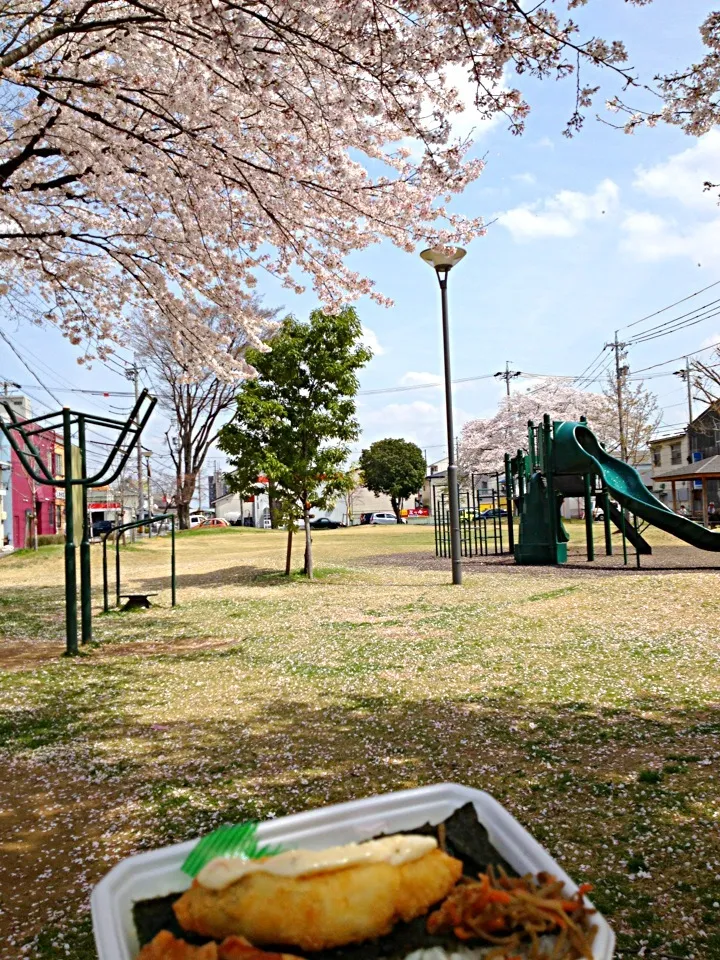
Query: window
pixel 433 468
pixel 675 453
pixel 657 457
pixel 59 465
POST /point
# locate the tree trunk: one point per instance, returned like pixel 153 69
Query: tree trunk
pixel 288 555
pixel 272 504
pixel 395 503
pixel 308 544
pixel 183 515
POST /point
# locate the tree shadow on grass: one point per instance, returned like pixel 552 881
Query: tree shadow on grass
pixel 612 793
pixel 246 575
pixel 622 796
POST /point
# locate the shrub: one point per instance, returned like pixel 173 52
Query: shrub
pixel 48 539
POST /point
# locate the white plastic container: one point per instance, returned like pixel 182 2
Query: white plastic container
pixel 157 873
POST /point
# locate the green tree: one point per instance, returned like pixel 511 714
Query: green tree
pixel 395 468
pixel 295 421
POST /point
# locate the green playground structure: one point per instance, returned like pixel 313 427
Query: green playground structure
pixel 565 458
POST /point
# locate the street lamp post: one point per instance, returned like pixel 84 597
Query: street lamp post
pixel 443 263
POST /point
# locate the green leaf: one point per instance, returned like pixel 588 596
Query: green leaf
pixel 231 840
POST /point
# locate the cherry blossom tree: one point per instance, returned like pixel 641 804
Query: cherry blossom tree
pixel 190 392
pixel 157 156
pixel 484 443
pixel 689 98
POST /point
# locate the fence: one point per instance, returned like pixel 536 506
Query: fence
pixel 483 515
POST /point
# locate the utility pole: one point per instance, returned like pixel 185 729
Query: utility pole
pixel 148 454
pixel 685 375
pixel 133 373
pixel 621 371
pixel 507 375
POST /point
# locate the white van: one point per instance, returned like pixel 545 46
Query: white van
pixel 378 518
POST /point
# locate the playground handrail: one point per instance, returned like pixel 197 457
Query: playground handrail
pixel 121 528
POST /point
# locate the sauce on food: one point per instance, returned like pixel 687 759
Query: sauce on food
pixel 397 849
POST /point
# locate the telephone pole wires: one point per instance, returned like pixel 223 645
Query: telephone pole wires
pixel 507 375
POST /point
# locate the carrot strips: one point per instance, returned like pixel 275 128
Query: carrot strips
pixel 508 912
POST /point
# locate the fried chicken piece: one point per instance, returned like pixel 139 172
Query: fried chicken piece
pixel 322 910
pixel 238 948
pixel 166 947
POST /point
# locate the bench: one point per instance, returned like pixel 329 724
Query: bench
pixel 137 601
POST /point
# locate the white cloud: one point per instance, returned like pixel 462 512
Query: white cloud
pixel 414 378
pixel 529 178
pixel 370 340
pixel 694 232
pixel 464 124
pixel 419 421
pixel 712 341
pixel 682 176
pixel 561 215
pixel 651 238
pixel 468 122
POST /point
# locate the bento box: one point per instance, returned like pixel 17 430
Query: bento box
pixel 158 872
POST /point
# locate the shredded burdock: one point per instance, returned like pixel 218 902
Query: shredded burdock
pixel 514 913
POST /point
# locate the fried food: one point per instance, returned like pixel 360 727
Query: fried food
pixel 321 910
pixel 166 947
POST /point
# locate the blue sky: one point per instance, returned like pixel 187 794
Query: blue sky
pixel 589 234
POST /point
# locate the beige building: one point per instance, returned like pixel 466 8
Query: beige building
pixel 666 452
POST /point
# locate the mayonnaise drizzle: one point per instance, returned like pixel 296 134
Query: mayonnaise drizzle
pixel 400 848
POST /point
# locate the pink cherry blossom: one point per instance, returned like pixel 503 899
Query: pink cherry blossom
pixel 156 158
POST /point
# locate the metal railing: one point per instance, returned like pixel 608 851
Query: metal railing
pixel 121 528
pixel 481 524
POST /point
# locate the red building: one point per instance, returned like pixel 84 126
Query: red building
pixel 32 502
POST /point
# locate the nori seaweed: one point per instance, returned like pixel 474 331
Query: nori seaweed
pixel 465 838
pixel 468 840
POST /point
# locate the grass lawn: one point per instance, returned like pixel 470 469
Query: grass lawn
pixel 587 703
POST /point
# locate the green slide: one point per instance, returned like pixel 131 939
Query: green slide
pixel 577 450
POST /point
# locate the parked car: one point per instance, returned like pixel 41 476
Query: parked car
pixel 378 518
pixel 494 512
pixel 215 522
pixel 197 520
pixel 365 518
pixel 100 527
pixel 325 523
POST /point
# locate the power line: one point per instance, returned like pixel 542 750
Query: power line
pixel 705 312
pixel 670 306
pixel 654 366
pixel 92 393
pixel 423 386
pixel 598 358
pixel 28 367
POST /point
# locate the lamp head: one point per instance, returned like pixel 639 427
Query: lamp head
pixel 441 261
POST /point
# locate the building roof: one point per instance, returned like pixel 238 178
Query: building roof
pixel 710 467
pixel 671 436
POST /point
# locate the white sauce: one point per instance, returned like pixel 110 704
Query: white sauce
pixel 400 848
